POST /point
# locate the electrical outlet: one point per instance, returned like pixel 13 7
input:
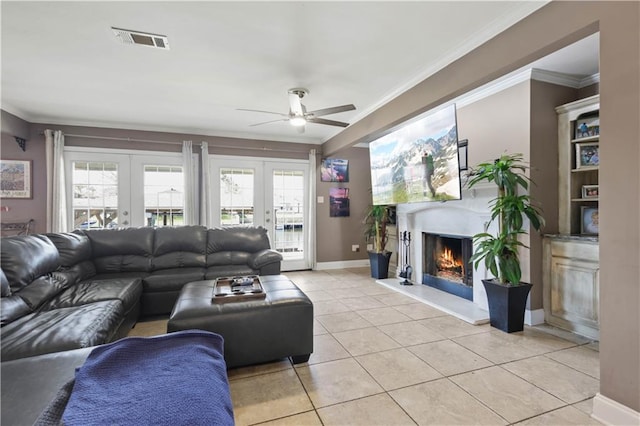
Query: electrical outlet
pixel 369 247
pixel 355 247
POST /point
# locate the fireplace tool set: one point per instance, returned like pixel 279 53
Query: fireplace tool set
pixel 405 248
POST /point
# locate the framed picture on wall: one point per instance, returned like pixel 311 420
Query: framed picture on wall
pixel 334 170
pixel 15 179
pixel 339 202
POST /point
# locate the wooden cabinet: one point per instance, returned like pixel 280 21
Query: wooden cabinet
pixel 570 260
pixel 572 284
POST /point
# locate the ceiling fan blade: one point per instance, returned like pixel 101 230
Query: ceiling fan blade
pixel 325 121
pixel 295 105
pixel 267 122
pixel 332 110
pixel 266 112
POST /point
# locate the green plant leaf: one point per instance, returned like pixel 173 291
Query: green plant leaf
pixel 500 252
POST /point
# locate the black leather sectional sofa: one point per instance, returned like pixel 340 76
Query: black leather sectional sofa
pixel 85 288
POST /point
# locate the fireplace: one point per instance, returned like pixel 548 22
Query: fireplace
pixel 446 263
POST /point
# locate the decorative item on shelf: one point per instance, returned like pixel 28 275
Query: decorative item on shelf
pixel 376 221
pixel 590 191
pixel 587 127
pixel 15 179
pixel 506 294
pixel 587 155
pixel 407 269
pixel 589 220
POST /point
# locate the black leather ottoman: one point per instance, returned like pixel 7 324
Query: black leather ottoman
pixel 254 331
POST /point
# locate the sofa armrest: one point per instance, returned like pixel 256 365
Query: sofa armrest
pixel 262 258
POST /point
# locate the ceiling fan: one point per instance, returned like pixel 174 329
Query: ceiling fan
pixel 299 116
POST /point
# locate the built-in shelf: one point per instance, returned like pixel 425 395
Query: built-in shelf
pixel 589 139
pixel 571 271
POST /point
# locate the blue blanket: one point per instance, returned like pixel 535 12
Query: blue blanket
pixel 174 379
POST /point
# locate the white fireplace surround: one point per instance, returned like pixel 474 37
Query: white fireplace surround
pixel 465 217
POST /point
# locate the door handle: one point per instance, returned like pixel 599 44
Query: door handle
pixel 124 213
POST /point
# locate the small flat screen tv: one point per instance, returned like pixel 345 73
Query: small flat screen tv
pixel 417 162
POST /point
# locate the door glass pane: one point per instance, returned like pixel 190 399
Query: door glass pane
pixel 163 196
pixel 288 205
pixel 236 196
pixel 95 194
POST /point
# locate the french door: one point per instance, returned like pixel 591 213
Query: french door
pixel 116 190
pixel 272 194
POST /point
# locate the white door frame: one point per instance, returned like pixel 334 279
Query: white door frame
pixel 130 177
pixel 263 196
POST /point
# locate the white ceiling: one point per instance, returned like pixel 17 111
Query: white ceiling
pixel 61 63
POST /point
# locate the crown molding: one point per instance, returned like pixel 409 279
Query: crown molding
pixel 588 81
pixel 511 80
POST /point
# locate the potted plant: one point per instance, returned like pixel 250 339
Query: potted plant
pixel 376 221
pixel 506 294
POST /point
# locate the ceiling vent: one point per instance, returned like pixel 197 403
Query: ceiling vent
pixel 145 39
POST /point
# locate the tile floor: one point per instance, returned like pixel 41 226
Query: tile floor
pixel 382 358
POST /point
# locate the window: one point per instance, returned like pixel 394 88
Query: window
pixel 163 195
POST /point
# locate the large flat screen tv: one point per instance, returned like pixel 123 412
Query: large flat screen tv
pixel 417 162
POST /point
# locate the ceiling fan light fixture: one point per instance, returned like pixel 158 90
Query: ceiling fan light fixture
pixel 298 121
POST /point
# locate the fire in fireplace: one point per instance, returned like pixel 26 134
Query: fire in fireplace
pixel 446 263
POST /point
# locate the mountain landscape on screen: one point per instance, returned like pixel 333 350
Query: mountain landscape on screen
pixel 418 162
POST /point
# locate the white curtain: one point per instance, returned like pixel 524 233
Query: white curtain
pixel 56 189
pixel 311 230
pixel 190 185
pixel 205 188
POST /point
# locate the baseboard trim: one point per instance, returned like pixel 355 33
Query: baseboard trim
pixel 342 264
pixel 610 412
pixel 535 317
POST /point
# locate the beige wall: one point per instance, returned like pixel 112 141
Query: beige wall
pixel 496 124
pixel 552 27
pixel 336 235
pixel 620 203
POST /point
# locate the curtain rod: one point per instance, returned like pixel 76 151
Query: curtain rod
pixel 114 138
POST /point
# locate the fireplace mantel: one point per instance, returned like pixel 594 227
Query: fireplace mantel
pixel 465 217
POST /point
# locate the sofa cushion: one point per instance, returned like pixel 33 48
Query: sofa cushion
pixel 41 290
pixel 126 290
pixel 121 250
pixel 12 308
pixel 179 247
pixel 263 258
pixel 80 271
pixel 171 279
pixel 73 247
pixel 25 258
pixel 6 290
pixel 237 238
pixel 61 329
